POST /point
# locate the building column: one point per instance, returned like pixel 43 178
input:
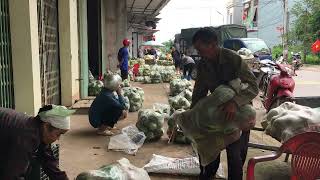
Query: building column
pixel 83 49
pixel 25 55
pixel 69 57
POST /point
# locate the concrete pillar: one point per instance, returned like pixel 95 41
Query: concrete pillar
pixel 69 57
pixel 122 21
pixel 113 29
pixel 25 55
pixel 83 30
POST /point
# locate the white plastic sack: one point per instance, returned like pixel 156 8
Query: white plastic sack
pixel 290 119
pixel 129 141
pixel 186 166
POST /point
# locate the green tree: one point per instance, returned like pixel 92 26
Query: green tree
pixel 306 24
pixel 168 44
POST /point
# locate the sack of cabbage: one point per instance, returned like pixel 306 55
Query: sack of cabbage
pixel 95 87
pixel 167 75
pixel 135 96
pixel 178 85
pixel 151 123
pixel 154 78
pixel 178 137
pixel 121 170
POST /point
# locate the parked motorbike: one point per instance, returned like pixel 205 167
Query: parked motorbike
pixel 280 88
pixel 267 69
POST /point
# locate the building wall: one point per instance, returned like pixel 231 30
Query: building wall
pixel 234 12
pixel 69 57
pixel 270 16
pixel 113 30
pixel 25 54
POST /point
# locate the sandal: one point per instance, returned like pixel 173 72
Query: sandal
pixel 105 133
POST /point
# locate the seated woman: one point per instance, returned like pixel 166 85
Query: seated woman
pixel 107 109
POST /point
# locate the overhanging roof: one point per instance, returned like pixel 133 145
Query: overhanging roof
pixel 140 11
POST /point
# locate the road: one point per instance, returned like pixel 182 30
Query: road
pixel 307 82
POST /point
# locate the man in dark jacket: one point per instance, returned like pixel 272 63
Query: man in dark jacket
pixel 188 65
pixel 24 138
pixel 219 66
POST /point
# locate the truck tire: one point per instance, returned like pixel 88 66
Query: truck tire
pixel 194 74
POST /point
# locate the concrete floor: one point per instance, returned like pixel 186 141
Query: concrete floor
pixel 82 149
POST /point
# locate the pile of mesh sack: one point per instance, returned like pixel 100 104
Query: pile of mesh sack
pixel 290 119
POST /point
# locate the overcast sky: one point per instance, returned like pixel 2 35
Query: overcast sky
pixel 180 14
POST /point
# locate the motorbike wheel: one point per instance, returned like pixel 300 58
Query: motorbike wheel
pixel 263 85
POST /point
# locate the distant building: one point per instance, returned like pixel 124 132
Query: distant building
pixel 264 19
pixel 234 12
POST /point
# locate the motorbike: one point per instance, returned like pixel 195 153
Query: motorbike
pixel 296 61
pixel 280 88
pixel 267 68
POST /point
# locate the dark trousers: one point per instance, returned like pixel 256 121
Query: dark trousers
pixel 124 74
pixel 187 69
pixel 236 154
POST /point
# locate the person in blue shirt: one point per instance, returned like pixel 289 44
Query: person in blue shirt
pixel 123 58
pixel 107 109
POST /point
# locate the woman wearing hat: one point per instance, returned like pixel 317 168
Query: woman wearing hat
pixel 24 138
pixel 107 109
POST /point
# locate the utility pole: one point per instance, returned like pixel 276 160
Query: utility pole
pixel 286 29
pixel 304 40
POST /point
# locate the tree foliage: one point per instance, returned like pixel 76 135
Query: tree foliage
pixel 306 26
pixel 168 44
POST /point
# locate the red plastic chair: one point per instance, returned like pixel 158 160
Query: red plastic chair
pixel 305 162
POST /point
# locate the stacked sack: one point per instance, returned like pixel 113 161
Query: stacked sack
pixel 135 96
pixel 151 123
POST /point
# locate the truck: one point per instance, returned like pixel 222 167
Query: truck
pixel 183 41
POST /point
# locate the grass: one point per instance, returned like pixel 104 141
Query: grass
pixel 310 59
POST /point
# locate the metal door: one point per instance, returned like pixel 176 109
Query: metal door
pixel 6 79
pixel 49 51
